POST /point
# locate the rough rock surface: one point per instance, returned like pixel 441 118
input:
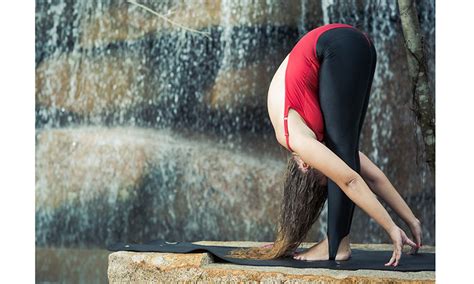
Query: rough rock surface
pixel 169 267
pixel 99 185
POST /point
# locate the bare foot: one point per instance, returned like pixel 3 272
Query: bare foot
pixel 320 251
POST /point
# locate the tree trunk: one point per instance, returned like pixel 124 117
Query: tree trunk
pixel 422 99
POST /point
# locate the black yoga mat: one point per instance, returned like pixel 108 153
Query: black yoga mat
pixel 360 259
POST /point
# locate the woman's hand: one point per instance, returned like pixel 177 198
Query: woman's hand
pixel 399 238
pixel 415 228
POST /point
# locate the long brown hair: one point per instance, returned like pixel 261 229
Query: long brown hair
pixel 303 199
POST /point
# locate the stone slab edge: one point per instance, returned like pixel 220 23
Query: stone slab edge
pixel 199 267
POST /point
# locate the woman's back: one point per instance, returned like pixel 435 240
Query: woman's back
pixel 293 91
pixel 276 100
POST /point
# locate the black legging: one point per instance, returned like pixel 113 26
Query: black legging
pixel 347 65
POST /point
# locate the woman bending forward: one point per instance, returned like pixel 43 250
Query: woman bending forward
pixel 317 102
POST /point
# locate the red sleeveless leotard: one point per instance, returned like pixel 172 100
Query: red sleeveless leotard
pixel 301 82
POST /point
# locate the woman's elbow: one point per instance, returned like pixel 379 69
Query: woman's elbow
pixel 349 183
pixel 354 182
pixel 349 180
pixel 376 179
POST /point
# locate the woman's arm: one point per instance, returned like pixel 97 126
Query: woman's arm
pixel 351 183
pixel 380 185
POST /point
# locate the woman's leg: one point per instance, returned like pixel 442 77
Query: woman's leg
pixel 347 64
pixel 367 96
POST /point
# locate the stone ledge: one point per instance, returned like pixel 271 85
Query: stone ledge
pixel 199 267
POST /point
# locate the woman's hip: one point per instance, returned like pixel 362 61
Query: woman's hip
pixel 344 43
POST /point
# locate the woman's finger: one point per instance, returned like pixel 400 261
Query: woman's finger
pixel 397 258
pixel 391 260
pixel 413 250
pixel 396 255
pixel 410 243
